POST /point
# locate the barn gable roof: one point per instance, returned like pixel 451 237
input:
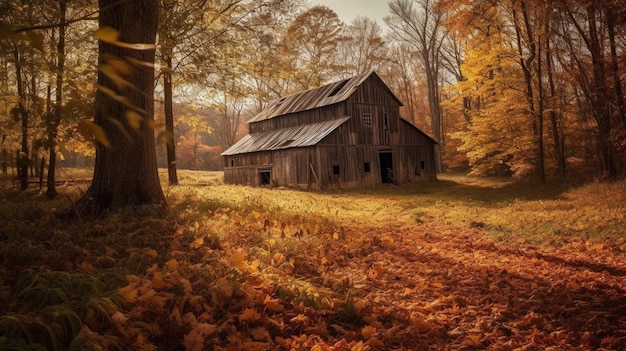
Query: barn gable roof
pixel 318 97
pixel 285 138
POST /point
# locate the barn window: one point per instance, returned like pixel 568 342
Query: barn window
pixel 336 170
pixel 386 121
pixel 232 162
pixel 367 119
pixel 366 167
pixel 423 165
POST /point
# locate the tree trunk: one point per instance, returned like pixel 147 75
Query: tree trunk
pixel 55 119
pixel 554 120
pixel 126 173
pixel 22 156
pixel 600 97
pixel 619 92
pixel 526 65
pixel 169 121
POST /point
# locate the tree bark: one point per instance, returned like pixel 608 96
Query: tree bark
pixel 554 119
pixel 170 144
pixel 22 156
pixel 55 119
pixel 126 173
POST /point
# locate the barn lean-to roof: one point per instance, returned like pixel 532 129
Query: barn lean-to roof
pixel 325 95
pixel 284 138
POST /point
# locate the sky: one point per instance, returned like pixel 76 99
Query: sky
pixel 347 10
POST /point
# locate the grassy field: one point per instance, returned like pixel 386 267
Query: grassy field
pixel 505 210
pixel 461 263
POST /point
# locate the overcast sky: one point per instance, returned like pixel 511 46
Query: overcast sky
pixel 347 10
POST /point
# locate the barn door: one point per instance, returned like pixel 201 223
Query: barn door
pixel 265 176
pixel 386 166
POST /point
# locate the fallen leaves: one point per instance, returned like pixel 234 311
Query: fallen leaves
pixel 224 280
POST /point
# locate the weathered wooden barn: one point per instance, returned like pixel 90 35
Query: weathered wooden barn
pixel 341 135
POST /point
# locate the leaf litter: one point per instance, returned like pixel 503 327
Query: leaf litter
pixel 264 278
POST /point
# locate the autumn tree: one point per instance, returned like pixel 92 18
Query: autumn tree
pixel 24 50
pixel 364 49
pixel 311 45
pixel 262 55
pixel 54 117
pixel 589 32
pixel 125 172
pixel 420 24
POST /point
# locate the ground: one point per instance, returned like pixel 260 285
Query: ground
pixel 457 264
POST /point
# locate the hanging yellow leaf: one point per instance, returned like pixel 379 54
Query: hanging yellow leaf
pixel 121 66
pixel 114 76
pixel 90 129
pixel 134 119
pixel 107 35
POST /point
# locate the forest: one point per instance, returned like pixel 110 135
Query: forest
pixel 117 232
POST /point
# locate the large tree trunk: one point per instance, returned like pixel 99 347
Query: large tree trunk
pixel 125 173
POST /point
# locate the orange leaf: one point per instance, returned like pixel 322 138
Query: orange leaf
pixel 238 260
pixel 249 315
pixel 273 304
pixel 128 293
pixel 368 332
pixel 196 244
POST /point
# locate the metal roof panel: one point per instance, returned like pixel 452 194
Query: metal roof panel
pixel 285 138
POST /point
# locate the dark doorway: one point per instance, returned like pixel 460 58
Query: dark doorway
pixel 265 177
pixel 386 166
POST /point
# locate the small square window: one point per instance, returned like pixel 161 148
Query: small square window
pixel 367 119
pixel 335 170
pixel 366 167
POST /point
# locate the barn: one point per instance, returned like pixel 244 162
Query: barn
pixel 341 135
